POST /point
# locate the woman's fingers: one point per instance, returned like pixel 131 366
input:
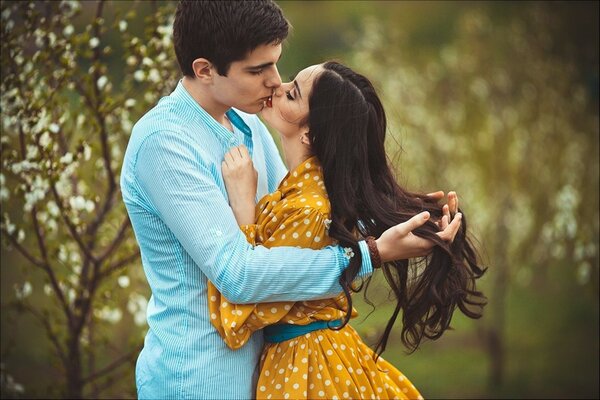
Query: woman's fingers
pixel 436 195
pixel 451 230
pixel 453 203
pixel 413 223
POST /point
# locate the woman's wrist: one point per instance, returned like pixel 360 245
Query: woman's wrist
pixel 373 252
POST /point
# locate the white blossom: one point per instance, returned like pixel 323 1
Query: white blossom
pixel 77 202
pixel 101 82
pixel 67 158
pixel 48 289
pixel 137 305
pixel 94 42
pixel 131 61
pixel 52 208
pixel 130 103
pixel 23 291
pixel 111 315
pixel 122 26
pixel 54 128
pixel 139 75
pixel 154 75
pixel 87 152
pixel 45 140
pixel 123 281
pixel 68 31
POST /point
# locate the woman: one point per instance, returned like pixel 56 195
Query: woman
pixel 340 189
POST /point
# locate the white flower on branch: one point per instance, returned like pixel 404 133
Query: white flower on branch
pixel 87 152
pixel 123 281
pixel 129 103
pixel 45 140
pixel 139 75
pixel 48 290
pixel 101 82
pixel 77 203
pixel 111 315
pixel 32 152
pixel 94 42
pixel 137 305
pixel 131 61
pixel 68 31
pixel 54 127
pixel 20 235
pixel 122 26
pixel 154 75
pixel 147 61
pixel 23 291
pixel 67 158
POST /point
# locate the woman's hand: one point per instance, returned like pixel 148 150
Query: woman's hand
pixel 399 243
pixel 240 181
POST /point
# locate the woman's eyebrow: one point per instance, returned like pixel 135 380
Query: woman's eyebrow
pixel 298 89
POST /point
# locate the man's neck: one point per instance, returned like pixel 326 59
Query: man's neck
pixel 206 101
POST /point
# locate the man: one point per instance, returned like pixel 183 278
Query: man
pixel 176 199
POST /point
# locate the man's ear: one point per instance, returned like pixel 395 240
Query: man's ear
pixel 202 69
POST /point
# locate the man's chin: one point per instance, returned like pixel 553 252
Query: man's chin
pixel 251 109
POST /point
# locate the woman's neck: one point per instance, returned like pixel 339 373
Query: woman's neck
pixel 294 152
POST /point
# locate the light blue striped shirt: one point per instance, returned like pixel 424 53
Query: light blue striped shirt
pixel 176 199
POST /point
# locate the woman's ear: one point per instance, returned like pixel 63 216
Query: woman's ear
pixel 202 69
pixel 304 139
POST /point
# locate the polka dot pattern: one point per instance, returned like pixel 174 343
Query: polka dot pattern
pixel 323 364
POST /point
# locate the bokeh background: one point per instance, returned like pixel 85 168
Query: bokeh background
pixel 496 100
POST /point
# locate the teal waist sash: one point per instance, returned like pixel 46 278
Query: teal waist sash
pixel 282 332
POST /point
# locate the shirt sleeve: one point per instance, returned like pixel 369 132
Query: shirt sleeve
pixel 182 190
pixel 235 323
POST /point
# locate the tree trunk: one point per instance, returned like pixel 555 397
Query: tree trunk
pixel 74 378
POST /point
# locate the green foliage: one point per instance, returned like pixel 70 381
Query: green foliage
pixel 66 120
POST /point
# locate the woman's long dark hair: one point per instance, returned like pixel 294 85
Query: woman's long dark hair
pixel 347 128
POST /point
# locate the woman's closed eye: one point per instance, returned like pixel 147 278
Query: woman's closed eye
pixel 288 94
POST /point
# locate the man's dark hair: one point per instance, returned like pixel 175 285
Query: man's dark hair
pixel 224 31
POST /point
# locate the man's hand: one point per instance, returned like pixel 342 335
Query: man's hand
pixel 240 181
pixel 399 243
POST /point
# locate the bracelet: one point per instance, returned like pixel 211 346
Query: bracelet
pixel 373 252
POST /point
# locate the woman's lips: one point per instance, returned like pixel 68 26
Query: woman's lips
pixel 269 102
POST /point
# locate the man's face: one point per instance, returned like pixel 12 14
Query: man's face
pixel 249 82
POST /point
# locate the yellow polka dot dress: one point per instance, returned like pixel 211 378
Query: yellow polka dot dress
pixel 323 364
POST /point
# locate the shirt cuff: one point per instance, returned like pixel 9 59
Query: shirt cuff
pixel 366 268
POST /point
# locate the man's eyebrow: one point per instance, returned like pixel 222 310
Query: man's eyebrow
pixel 297 88
pixel 260 66
pixel 264 65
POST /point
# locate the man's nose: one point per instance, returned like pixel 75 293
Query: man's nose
pixel 274 80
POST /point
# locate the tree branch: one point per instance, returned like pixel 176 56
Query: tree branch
pixel 70 225
pixel 117 241
pixel 119 264
pixel 112 366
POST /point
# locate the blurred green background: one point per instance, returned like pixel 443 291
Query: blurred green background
pixel 496 100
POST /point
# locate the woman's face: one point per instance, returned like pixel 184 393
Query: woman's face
pixel 288 108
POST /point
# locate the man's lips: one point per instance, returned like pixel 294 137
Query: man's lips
pixel 269 101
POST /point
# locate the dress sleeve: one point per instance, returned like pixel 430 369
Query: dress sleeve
pixel 235 323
